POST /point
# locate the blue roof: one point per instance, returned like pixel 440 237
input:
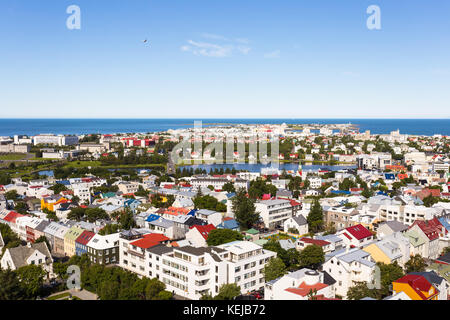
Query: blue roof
pixel 445 223
pixel 64 182
pixel 229 224
pixel 382 193
pixel 192 212
pixel 340 192
pixel 231 194
pixel 152 217
pixel 389 176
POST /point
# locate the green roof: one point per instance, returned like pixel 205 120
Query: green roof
pixel 109 195
pixel 441 269
pixel 252 231
pixel 261 242
pixel 73 233
pixel 414 238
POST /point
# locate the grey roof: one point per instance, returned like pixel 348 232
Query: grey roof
pixel 284 193
pixel 287 244
pixel 356 255
pixel 41 226
pixel 431 276
pixel 330 238
pixel 163 223
pixel 206 212
pixel 300 220
pixel 396 226
pixel 159 249
pixel 19 255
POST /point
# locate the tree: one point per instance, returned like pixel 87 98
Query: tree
pixel 274 269
pixel 244 209
pixel 10 287
pixel 126 220
pixel 58 188
pixel 10 238
pixel 31 279
pixel 312 256
pixel 228 292
pixel 415 264
pixel 43 239
pixel 220 236
pixel 389 273
pixel 21 207
pixel 109 229
pixel 76 213
pixel 429 201
pixel 94 214
pixel 360 290
pixel 315 217
pixel 12 195
pixel 228 187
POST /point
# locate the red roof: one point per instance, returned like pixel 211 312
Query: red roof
pixel 204 230
pixel 431 228
pixel 85 237
pixel 359 231
pixel 12 216
pixel 417 282
pixel 321 243
pixel 266 196
pixel 150 240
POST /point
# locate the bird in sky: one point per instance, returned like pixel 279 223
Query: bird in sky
pixel 145 41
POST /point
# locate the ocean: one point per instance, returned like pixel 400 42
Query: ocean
pixel 10 127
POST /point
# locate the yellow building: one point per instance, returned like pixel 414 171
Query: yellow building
pixel 416 287
pixel 69 240
pixel 49 203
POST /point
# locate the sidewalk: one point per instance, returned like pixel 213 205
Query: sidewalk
pixel 82 294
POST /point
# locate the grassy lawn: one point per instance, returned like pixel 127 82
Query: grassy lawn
pixel 59 296
pixel 12 156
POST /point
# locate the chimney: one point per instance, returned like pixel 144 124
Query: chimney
pixel 29 244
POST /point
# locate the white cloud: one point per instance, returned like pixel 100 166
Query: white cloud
pixel 209 49
pixel 244 49
pixel 273 54
pixel 214 36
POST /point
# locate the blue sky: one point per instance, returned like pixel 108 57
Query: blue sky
pixel 225 58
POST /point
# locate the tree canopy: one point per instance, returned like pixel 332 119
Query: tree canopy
pixel 244 209
pixel 220 236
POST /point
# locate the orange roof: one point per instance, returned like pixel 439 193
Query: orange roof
pixel 176 211
pixel 150 240
pixel 303 289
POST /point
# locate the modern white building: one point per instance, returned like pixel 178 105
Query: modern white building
pixel 274 212
pixel 59 140
pixel 348 267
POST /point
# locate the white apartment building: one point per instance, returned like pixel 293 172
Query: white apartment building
pixel 348 267
pixel 315 182
pixel 82 192
pixel 128 187
pixel 274 212
pixel 192 272
pixel 59 140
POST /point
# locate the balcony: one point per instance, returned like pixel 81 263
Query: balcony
pixel 136 254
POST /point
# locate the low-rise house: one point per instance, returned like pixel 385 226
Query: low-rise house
pixel 36 253
pixel 209 216
pixel 69 240
pixel 304 242
pixel 336 242
pixel 104 250
pixel 417 242
pixel 390 227
pixel 356 236
pixel 229 223
pixel 82 241
pixel 432 229
pixel 158 224
pixel 300 285
pixel 348 267
pixel 199 234
pixel 296 222
pixel 416 287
